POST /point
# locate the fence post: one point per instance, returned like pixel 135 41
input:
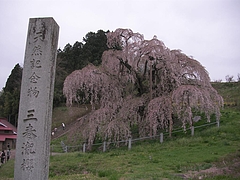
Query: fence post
pixel 161 137
pixel 51 149
pixel 63 145
pixel 129 143
pixel 192 130
pixel 104 146
pixel 66 149
pixel 218 123
pixel 84 147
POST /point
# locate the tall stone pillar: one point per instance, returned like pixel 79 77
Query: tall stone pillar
pixel 36 99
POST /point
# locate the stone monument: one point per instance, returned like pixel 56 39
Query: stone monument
pixel 35 109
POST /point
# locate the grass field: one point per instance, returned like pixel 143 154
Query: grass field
pixel 212 153
pixel 68 114
pixel 211 148
pixel 230 91
pixel 173 159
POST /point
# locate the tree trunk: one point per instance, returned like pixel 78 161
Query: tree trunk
pixel 150 81
pixel 171 120
pixel 170 127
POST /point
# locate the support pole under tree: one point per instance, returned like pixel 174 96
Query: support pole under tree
pixel 218 123
pixel 192 130
pixel 36 99
pixel 161 138
pixel 84 147
pixel 129 143
pixel 104 146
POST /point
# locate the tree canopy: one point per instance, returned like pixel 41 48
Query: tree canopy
pixel 9 98
pixel 140 83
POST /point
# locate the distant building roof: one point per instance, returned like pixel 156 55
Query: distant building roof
pixel 3 137
pixel 6 126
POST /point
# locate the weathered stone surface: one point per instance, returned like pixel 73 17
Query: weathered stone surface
pixel 35 110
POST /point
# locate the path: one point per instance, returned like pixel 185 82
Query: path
pixel 60 132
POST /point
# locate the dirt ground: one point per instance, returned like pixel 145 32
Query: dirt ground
pixel 230 167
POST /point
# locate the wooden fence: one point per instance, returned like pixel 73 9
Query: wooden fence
pixel 128 142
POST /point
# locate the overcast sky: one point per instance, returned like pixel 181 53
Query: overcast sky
pixel 208 30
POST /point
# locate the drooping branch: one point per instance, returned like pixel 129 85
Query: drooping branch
pixel 141 83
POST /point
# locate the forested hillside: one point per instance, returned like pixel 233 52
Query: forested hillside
pixel 70 58
pixel 10 95
pixel 77 56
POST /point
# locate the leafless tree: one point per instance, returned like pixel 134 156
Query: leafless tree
pixel 229 78
pixel 218 81
pixel 142 83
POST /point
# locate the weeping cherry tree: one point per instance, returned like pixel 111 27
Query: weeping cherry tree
pixel 140 83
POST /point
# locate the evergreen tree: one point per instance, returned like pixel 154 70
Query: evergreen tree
pixel 1 103
pixel 11 95
pixel 14 80
pixel 76 57
pixel 95 45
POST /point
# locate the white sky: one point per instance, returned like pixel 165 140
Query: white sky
pixel 208 30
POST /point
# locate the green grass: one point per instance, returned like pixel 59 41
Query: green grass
pixel 150 159
pixel 209 147
pixel 7 170
pixel 68 114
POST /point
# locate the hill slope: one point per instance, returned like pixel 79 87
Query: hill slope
pixel 68 116
pixel 212 153
pixel 229 91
